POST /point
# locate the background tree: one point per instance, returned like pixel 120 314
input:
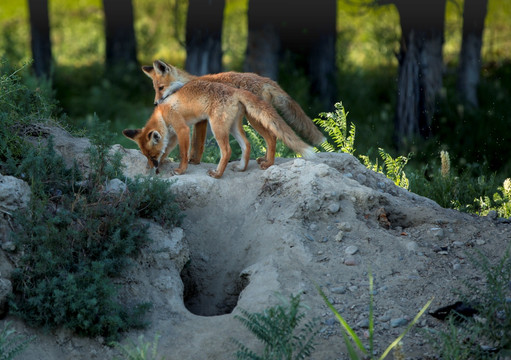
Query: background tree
pixel 420 66
pixel 40 37
pixel 302 36
pixel 263 43
pixel 204 36
pixel 474 13
pixel 121 45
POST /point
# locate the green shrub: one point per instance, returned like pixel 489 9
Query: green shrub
pixel 11 345
pixel 279 329
pixel 141 351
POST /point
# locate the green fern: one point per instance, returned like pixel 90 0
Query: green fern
pixel 336 125
pixel 278 328
pixel 141 351
pixel 391 168
pixel 11 345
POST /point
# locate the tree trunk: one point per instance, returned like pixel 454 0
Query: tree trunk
pixel 204 36
pixel 474 13
pixel 263 43
pixel 40 32
pixel 420 67
pixel 121 45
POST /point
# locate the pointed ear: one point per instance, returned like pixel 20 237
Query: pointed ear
pixel 131 133
pixel 148 70
pixel 161 67
pixel 154 136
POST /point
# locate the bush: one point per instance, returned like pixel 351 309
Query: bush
pixel 75 237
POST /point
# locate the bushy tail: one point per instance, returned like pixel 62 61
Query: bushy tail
pixel 294 115
pixel 260 111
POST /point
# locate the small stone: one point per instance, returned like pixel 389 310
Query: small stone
pixel 8 246
pixel 361 178
pixel 338 290
pixel 364 323
pixel 480 242
pixel 458 244
pixel 350 261
pixel 437 232
pixel 333 208
pixel 398 322
pixel 456 266
pixel 344 226
pixel 313 226
pixel 298 162
pixel 115 186
pixel 351 250
pixel 339 236
pixel 331 321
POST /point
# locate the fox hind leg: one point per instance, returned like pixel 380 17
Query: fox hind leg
pixel 239 134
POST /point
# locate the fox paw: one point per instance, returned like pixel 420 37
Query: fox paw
pixel 179 171
pixel 194 161
pixel 214 174
pixel 265 164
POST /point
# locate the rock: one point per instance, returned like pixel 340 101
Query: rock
pixel 338 290
pixel 333 208
pixel 437 232
pixel 14 194
pixel 398 322
pixel 115 186
pixel 411 246
pixel 351 250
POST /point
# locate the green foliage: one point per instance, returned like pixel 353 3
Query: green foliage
pixel 75 237
pixel 278 328
pixel 500 202
pixel 452 188
pixel 392 168
pixel 336 126
pixel 350 336
pixel 141 351
pixel 491 329
pixel 11 345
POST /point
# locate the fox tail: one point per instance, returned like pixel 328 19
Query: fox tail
pixel 266 115
pixel 294 115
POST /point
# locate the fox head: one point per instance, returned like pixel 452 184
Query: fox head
pixel 152 139
pixel 163 75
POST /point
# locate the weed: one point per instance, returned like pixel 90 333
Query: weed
pixel 347 331
pixel 278 328
pixel 11 345
pixel 141 351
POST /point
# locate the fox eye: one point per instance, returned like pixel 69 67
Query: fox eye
pixel 161 87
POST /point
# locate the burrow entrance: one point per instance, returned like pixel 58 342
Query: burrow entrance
pixel 211 288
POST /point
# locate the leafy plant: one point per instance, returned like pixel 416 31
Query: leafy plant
pixel 141 351
pixel 392 168
pixel 350 336
pixel 500 202
pixel 11 345
pixel 336 126
pixel 278 328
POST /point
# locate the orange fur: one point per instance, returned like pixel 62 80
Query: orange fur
pixel 163 75
pixel 223 107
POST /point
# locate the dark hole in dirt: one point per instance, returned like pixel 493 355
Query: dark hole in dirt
pixel 209 292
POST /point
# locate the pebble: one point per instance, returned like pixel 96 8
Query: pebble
pixel 480 242
pixel 331 321
pixel 437 232
pixel 458 243
pixel 350 261
pixel 351 250
pixel 456 266
pixel 339 236
pixel 398 322
pixel 333 208
pixel 338 290
pixel 344 226
pixel 364 323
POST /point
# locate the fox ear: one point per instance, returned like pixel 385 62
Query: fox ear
pixel 154 136
pixel 131 133
pixel 148 70
pixel 161 67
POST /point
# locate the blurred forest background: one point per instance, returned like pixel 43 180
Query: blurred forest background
pixel 398 66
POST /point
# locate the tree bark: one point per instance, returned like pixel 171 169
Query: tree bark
pixel 263 43
pixel 40 37
pixel 204 36
pixel 420 67
pixel 474 13
pixel 121 45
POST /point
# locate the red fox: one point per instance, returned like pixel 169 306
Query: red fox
pixel 163 75
pixel 224 107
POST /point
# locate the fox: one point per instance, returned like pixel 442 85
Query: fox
pixel 223 107
pixel 164 76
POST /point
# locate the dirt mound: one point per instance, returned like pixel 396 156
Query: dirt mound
pixel 249 236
